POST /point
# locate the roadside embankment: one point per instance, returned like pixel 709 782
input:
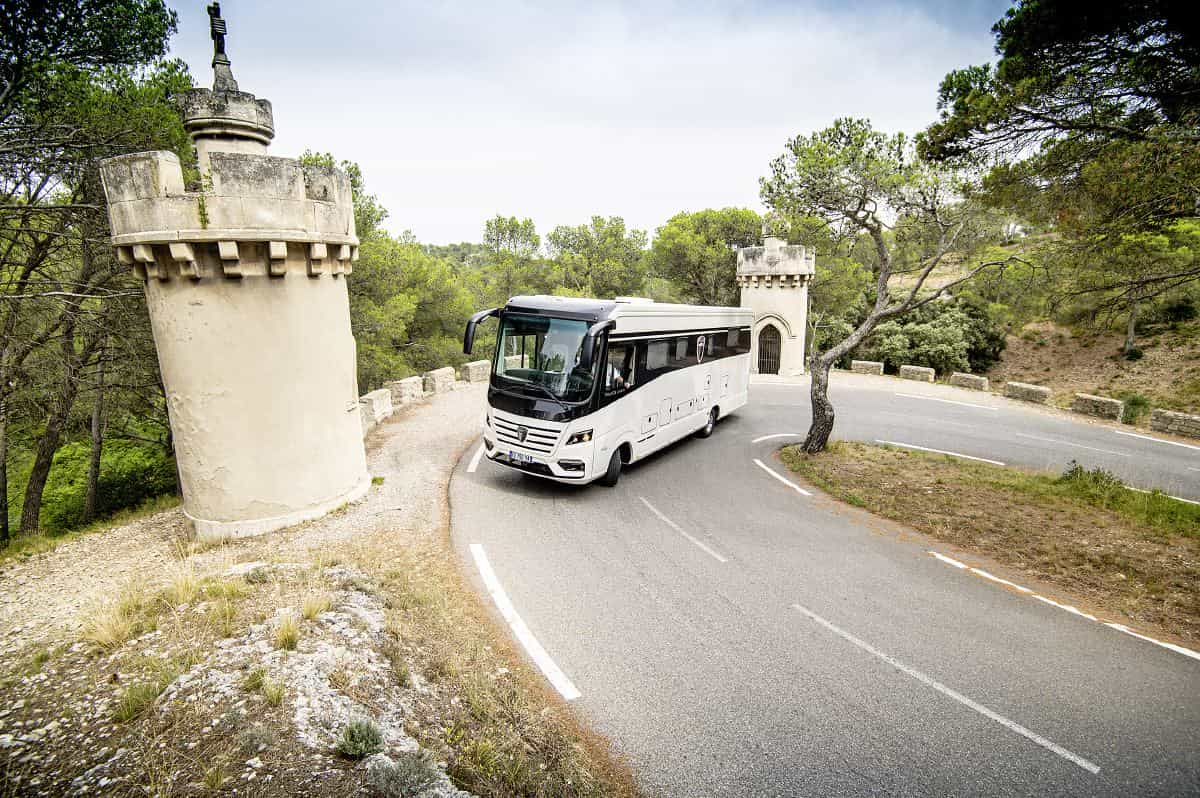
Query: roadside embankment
pixel 343 656
pixel 1131 555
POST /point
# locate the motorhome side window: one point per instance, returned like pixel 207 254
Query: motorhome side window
pixel 618 370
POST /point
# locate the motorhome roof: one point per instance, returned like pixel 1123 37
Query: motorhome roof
pixel 602 309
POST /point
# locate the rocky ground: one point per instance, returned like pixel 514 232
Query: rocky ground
pixel 136 663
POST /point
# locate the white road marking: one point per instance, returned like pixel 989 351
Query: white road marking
pixel 784 480
pixel 1074 611
pixel 1177 498
pixel 959 697
pixel 778 435
pixel 945 401
pixel 1068 443
pixel 679 529
pixel 939 451
pixel 1178 649
pixel 538 654
pixel 1156 440
pixel 475 460
pixel 1193 469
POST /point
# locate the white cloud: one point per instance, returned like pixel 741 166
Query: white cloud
pixel 460 111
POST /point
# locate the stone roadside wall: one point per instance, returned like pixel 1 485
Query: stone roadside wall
pixel 1026 392
pixel 919 373
pixel 866 367
pixel 972 381
pixel 1099 406
pixel 1175 423
pixel 378 406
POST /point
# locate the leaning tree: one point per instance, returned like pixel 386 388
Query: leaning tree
pixel 923 239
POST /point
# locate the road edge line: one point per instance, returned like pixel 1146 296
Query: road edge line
pixel 781 478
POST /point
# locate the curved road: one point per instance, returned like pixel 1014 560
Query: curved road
pixel 735 637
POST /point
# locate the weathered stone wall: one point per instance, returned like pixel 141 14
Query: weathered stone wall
pixel 1175 423
pixel 866 367
pixel 475 371
pixel 919 373
pixel 972 381
pixel 439 380
pixel 1099 406
pixel 375 407
pixel 406 390
pixel 1026 392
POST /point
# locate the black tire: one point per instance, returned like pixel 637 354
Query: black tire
pixel 613 473
pixel 707 429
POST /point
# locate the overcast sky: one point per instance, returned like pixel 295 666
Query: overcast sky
pixel 558 111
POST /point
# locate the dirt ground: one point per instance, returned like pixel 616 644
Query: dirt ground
pixel 1069 362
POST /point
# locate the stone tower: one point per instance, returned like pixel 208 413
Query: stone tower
pixel 774 281
pixel 245 280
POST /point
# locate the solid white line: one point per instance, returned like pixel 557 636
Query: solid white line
pixel 1187 652
pixel 959 697
pixel 1169 496
pixel 1179 649
pixel 1068 443
pixel 475 460
pixel 778 435
pixel 1193 469
pixel 948 560
pixel 946 401
pixel 1157 440
pixel 784 480
pixel 678 529
pixel 1005 582
pixel 940 451
pixel 538 654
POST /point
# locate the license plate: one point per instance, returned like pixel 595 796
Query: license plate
pixel 519 457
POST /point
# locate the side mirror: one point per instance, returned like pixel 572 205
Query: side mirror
pixel 587 352
pixel 469 335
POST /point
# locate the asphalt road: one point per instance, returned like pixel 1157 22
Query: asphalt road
pixel 735 637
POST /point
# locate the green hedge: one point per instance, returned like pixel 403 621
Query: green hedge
pixel 130 473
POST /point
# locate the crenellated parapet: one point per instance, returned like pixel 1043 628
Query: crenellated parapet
pixel 256 215
pixel 775 265
pixel 773 281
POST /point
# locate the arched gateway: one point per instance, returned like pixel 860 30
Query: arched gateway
pixel 769 341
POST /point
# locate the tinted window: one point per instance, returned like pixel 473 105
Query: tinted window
pixel 618 369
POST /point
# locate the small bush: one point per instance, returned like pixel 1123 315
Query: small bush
pixel 360 739
pixel 254 680
pixel 130 473
pixel 1133 354
pixel 136 699
pixel 256 739
pixel 1093 482
pixel 409 776
pixel 1182 309
pixel 1136 406
pixel 287 634
pixel 377 480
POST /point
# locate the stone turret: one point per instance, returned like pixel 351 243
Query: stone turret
pixel 245 281
pixel 774 282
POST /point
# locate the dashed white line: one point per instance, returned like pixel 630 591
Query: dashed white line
pixel 784 480
pixel 680 530
pixel 945 401
pixel 1156 440
pixel 1013 726
pixel 1073 610
pixel 475 460
pixel 762 438
pixel 939 451
pixel 1169 496
pixel 545 664
pixel 1068 443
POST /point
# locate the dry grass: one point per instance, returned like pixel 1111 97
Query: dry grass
pixel 1134 556
pixel 108 626
pixel 315 604
pixel 183 585
pixel 287 633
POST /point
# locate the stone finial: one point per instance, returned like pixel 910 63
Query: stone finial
pixel 222 71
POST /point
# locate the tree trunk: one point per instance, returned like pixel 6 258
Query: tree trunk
pixel 93 477
pixel 822 409
pixel 1131 329
pixel 4 530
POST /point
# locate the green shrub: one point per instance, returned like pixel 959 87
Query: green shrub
pixel 410 775
pixel 130 473
pixel 1136 406
pixel 360 739
pixel 952 335
pixel 1182 309
pixel 1134 354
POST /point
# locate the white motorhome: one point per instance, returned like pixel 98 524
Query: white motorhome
pixel 581 387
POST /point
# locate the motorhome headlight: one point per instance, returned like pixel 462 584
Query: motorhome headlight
pixel 583 436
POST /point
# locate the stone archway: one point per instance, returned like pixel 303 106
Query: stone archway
pixel 769 349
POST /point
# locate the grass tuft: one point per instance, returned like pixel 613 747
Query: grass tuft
pixel 287 634
pixel 272 692
pixel 360 739
pixel 107 627
pixel 315 604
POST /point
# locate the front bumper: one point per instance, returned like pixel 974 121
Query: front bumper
pixel 566 464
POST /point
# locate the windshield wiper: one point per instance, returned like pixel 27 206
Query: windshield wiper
pixel 550 395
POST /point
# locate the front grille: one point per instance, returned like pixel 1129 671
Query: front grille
pixel 537 439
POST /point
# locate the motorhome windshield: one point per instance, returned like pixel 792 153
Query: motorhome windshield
pixel 537 355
